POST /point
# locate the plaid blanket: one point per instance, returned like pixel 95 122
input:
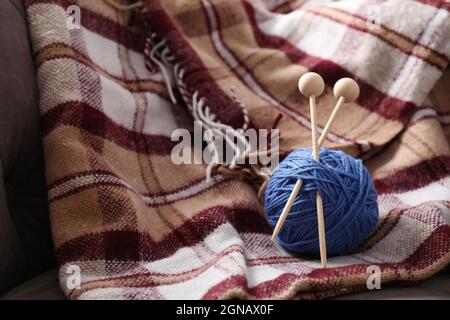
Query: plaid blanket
pixel 138 226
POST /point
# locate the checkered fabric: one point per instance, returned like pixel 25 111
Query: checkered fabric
pixel 140 227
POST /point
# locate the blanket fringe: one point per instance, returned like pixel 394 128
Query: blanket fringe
pixel 158 54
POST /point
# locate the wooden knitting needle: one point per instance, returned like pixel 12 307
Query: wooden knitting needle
pixel 345 90
pixel 316 154
pixel 310 85
pixel 287 208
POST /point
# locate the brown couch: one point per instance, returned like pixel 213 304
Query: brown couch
pixel 25 246
pixel 25 240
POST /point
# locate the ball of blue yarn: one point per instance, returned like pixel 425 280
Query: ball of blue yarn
pixel 349 202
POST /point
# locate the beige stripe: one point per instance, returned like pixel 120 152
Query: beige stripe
pixel 63 145
pixel 103 9
pixel 423 140
pixel 59 50
pixel 391 37
pixel 157 222
pixel 150 279
pixel 353 122
pixel 281 85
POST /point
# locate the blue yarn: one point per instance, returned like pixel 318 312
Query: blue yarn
pixel 349 200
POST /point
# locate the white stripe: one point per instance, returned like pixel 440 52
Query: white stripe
pixel 118 103
pixel 159 118
pixel 435 191
pixel 428 113
pixel 248 78
pixel 438 27
pixel 105 53
pixel 402 241
pixel 409 77
pixel 86 180
pixel 52 77
pixel 431 20
pixel 47 24
pixel 366 56
pixel 423 113
pixel 414 81
pixel 445 119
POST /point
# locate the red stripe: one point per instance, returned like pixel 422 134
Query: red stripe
pixel 113 30
pixel 197 76
pixel 145 276
pixel 321 282
pixel 67 178
pixel 85 60
pixel 233 282
pixel 97 246
pixel 434 248
pixel 79 189
pixel 191 273
pixel 101 25
pixel 287 6
pixel 82 116
pixel 247 70
pixel 405 38
pixel 120 184
pixel 415 177
pixel 133 244
pixel 370 98
pixel 440 4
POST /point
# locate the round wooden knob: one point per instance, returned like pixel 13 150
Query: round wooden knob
pixel 311 84
pixel 347 88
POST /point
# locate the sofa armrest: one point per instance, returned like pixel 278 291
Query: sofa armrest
pixel 26 248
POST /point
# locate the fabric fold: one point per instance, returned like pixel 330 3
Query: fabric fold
pixel 135 225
